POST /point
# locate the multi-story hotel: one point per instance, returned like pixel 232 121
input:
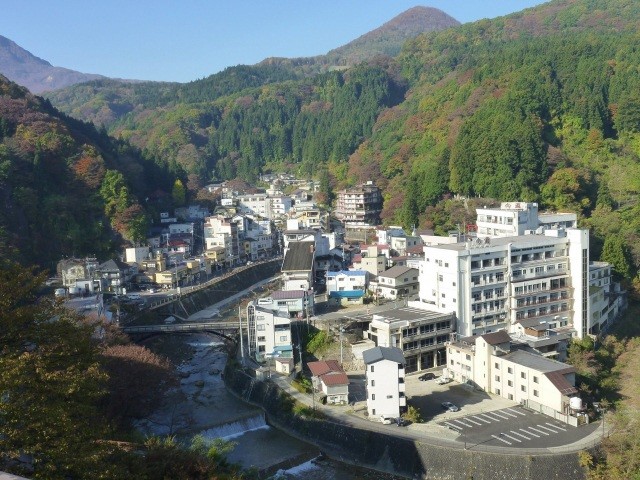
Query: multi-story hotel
pixel 360 205
pixel 385 382
pixel 542 273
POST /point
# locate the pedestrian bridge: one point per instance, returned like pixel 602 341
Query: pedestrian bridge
pixel 222 329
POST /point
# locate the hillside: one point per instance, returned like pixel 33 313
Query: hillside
pixel 20 66
pixel 67 189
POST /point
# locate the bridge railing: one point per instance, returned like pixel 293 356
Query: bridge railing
pixel 182 327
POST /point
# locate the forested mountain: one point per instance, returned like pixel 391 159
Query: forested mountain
pixel 67 189
pixel 38 75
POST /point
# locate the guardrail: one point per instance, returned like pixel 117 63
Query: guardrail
pixel 182 327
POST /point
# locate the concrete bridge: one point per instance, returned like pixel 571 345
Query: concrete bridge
pixel 222 329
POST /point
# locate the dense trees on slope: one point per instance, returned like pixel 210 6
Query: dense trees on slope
pixel 67 189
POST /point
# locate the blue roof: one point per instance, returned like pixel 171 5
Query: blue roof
pixel 348 273
pixel 347 294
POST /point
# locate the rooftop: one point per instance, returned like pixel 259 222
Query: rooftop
pixel 397 271
pixel 299 257
pixel 409 314
pixel 376 354
pixel 537 362
pixel 287 294
pixel 496 338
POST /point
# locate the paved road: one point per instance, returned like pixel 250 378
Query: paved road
pixel 497 435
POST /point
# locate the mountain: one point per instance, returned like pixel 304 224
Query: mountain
pixel 38 75
pixel 389 38
pixel 65 188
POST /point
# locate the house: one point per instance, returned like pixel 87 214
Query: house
pixel 397 282
pixel 421 334
pixel 79 273
pixel 116 275
pixel 298 266
pixel 347 286
pixel 385 382
pixel 331 380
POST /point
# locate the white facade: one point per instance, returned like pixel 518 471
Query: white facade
pixel 136 254
pixel 520 376
pixel 517 218
pixel 256 204
pixel 492 284
pixel 397 282
pixel 385 382
pixel 267 331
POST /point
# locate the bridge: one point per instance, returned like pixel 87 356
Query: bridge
pixel 222 329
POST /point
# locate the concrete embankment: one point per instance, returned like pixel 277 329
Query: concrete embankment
pixel 221 289
pixel 394 455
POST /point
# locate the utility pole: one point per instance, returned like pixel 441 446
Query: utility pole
pixel 241 335
pixel 341 332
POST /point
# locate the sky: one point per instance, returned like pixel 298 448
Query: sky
pixel 184 40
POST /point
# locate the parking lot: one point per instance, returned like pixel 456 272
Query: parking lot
pixel 485 419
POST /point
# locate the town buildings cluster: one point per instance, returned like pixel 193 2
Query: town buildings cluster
pixel 496 305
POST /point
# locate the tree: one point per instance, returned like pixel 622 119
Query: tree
pixel 615 252
pixel 51 385
pixel 179 193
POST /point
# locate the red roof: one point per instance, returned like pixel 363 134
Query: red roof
pixel 329 372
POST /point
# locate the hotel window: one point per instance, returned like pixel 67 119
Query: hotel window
pixel 496 365
pixel 373 383
pixel 497 378
pixel 535 393
pixel 523 388
pixel 509 370
pixel 523 375
pixel 510 383
pixel 373 397
pixel 372 368
pixel 535 379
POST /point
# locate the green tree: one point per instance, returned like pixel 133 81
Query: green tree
pixel 179 193
pixel 50 383
pixel 615 252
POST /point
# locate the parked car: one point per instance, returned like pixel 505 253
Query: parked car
pixel 427 376
pixel 443 380
pixel 401 422
pixel 386 420
pixel 450 407
pixel 151 290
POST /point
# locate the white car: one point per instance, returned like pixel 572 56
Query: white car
pixel 443 380
pixel 386 420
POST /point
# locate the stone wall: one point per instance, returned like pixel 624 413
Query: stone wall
pixel 396 455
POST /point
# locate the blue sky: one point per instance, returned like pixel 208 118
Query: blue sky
pixel 183 40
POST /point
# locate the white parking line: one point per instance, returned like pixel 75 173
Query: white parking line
pixel 461 422
pixel 520 435
pixel 501 439
pixel 512 438
pixel 529 433
pixel 507 413
pixel 486 415
pixel 547 428
pixel 515 411
pixel 481 419
pixel 538 431
pixel 469 419
pixel 454 427
pixel 556 426
pixel 497 414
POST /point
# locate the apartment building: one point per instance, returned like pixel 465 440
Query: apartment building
pixel 512 219
pixel 488 362
pixel 359 205
pixel 269 331
pixel 386 388
pixel 419 333
pixel 221 231
pixel 347 286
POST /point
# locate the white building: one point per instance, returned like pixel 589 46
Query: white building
pixel 268 332
pixel 256 204
pixel 397 282
pixel 491 284
pixel 289 303
pixel 223 232
pixel 512 219
pixel 136 254
pixel 385 382
pixel 487 362
pixel 420 334
pixel 347 286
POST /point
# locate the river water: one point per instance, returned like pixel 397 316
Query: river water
pixel 202 405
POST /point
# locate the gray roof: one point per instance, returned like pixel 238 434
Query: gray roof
pixel 376 354
pixel 287 294
pixel 496 338
pixel 536 362
pixel 397 271
pixel 299 257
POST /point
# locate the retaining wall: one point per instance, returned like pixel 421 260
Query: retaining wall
pixel 395 455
